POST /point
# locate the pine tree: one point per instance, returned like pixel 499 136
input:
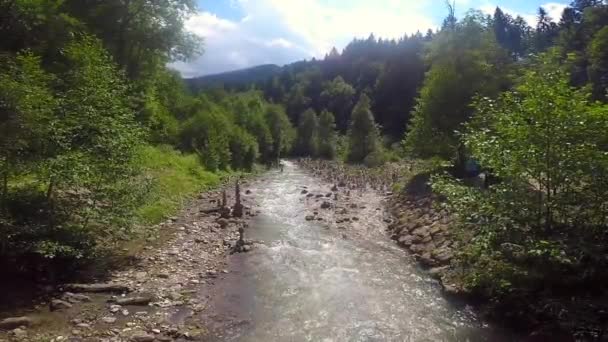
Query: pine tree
pixel 308 134
pixel 327 135
pixel 363 133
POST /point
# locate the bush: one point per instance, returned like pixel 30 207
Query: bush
pixel 546 142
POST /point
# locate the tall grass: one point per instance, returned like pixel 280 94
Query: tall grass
pixel 174 179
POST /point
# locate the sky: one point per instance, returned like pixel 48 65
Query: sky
pixel 244 33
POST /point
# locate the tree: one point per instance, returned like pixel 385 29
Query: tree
pixel 327 135
pixel 337 97
pixel 308 134
pixel 546 142
pixel 463 62
pixel 141 35
pixel 281 129
pixel 26 107
pixel 363 133
pixel 546 30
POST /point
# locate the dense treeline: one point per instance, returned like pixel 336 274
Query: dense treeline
pixel 84 94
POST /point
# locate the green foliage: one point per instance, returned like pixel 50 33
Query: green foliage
pixel 174 178
pixel 204 134
pixel 337 97
pixel 546 143
pixel 327 135
pixel 76 142
pixel 463 62
pixel 363 135
pixel 307 142
pixel 283 134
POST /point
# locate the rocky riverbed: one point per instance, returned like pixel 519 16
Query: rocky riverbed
pixel 136 304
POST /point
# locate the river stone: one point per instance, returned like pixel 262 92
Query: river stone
pixel 422 232
pixel 309 217
pixel 406 240
pixel 140 300
pixel 75 297
pixel 18 334
pixel 109 320
pixel 58 304
pixel 15 322
pixel 325 205
pixel 304 192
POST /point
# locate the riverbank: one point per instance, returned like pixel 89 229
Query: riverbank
pixel 188 250
pixel 422 225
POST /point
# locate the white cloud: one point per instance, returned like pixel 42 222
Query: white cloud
pixel 554 10
pixel 283 31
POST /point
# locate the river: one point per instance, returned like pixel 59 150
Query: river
pixel 310 281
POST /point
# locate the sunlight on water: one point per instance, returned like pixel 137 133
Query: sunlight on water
pixel 309 284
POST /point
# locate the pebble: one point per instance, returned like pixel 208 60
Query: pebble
pixel 109 320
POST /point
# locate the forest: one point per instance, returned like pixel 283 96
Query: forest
pixel 100 139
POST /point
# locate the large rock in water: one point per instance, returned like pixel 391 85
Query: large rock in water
pixel 325 205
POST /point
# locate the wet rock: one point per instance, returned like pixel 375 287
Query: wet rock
pixel 328 194
pixel 310 195
pixel 15 322
pixel 248 192
pixel 355 218
pixel 58 304
pixel 334 188
pixel 304 192
pixel 325 205
pixel 97 288
pixel 309 217
pixel 140 300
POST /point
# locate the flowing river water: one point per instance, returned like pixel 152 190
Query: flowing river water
pixel 311 281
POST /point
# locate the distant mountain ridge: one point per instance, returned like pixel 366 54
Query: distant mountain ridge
pixel 234 79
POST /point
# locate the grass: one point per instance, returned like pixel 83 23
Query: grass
pixel 175 179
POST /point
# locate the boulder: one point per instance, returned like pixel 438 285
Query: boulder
pixel 309 217
pixel 304 192
pixel 15 322
pixel 325 205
